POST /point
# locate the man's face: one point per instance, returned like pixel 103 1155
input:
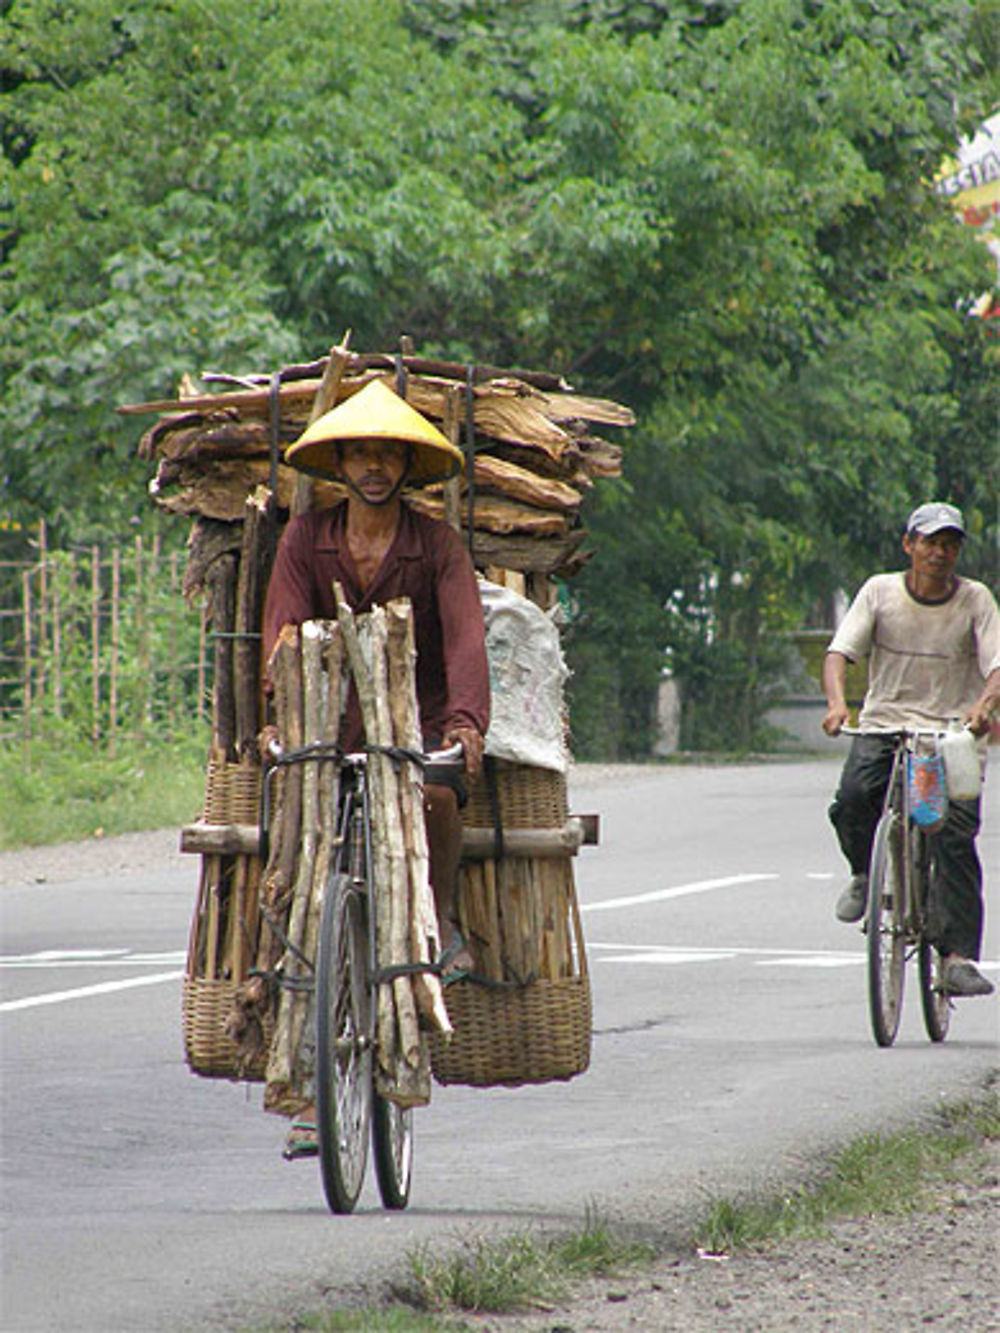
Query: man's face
pixel 936 556
pixel 373 469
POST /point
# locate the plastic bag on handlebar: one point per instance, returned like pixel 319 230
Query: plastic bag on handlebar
pixel 928 790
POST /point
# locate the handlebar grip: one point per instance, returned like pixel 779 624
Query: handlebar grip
pixel 452 755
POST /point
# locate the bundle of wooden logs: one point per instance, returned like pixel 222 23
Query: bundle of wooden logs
pixel 308 671
pixel 530 438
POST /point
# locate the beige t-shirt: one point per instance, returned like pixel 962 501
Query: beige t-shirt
pixel 928 660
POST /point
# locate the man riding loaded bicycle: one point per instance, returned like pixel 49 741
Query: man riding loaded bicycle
pixel 933 642
pixel 377 548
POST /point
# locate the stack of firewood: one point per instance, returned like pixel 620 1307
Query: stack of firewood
pixel 532 438
pixel 309 670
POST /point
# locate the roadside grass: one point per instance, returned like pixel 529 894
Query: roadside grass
pixel 890 1173
pixel 62 791
pixel 517 1271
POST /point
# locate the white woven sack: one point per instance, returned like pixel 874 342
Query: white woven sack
pixel 527 672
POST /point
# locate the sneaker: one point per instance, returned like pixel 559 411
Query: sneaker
pixel 852 902
pixel 964 978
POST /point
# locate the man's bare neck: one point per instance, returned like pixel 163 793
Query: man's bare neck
pixel 372 523
pixel 930 589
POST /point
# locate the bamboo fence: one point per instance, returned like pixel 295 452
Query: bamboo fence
pixel 100 638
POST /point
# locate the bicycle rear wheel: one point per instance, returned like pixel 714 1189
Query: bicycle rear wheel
pixel 933 1001
pixel 392 1133
pixel 885 925
pixel 343 1044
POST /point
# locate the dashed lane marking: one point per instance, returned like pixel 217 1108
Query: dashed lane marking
pixel 672 955
pixel 55 958
pixel 84 992
pixel 679 891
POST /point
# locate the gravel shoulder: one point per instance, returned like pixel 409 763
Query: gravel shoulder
pixel 937 1269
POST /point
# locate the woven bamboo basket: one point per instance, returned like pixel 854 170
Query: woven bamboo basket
pixel 206 1005
pixel 520 918
pixel 232 792
pixel 215 965
pixel 528 798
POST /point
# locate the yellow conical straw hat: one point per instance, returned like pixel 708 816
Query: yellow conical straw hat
pixel 375 413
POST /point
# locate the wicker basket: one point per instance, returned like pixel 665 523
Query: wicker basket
pixel 207 1049
pixel 537 1033
pixel 528 798
pixel 232 792
pixel 521 920
pixel 213 977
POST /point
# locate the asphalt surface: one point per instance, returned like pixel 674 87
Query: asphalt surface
pixel 731 1048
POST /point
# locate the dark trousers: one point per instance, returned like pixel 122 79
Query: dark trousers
pixel 955 906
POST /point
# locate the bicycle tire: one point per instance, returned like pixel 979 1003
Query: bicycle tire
pixel 343 1044
pixel 392 1135
pixel 934 1003
pixel 885 925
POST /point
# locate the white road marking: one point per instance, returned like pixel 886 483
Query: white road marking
pixel 810 960
pixel 660 954
pixel 666 957
pixel 55 958
pixel 680 891
pixel 84 992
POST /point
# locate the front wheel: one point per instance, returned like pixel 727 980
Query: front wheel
pixel 392 1132
pixel 933 1000
pixel 885 925
pixel 343 1044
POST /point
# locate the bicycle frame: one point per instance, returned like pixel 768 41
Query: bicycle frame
pixel 896 918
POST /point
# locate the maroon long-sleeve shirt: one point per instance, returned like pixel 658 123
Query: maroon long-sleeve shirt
pixel 427 563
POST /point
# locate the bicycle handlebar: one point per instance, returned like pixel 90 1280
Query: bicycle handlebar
pixel 319 750
pixel 901 733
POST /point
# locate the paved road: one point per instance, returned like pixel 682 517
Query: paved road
pixel 731 1046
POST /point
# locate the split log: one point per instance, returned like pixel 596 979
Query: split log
pixel 304 1035
pixel 425 938
pixel 395 894
pixel 326 397
pixel 361 674
pixel 280 1093
pixel 518 483
pixel 285 671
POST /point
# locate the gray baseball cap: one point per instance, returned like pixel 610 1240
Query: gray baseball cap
pixel 930 518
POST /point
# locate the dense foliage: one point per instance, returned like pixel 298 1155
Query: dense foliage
pixel 717 211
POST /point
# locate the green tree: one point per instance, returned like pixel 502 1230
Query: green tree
pixel 717 212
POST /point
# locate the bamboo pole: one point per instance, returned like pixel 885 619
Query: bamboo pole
pixel 173 673
pixel 57 644
pixel 28 646
pixel 95 642
pixel 142 639
pixel 42 680
pixel 202 649
pixel 451 426
pixel 116 581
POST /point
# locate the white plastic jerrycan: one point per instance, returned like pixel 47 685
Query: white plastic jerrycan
pixel 962 767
